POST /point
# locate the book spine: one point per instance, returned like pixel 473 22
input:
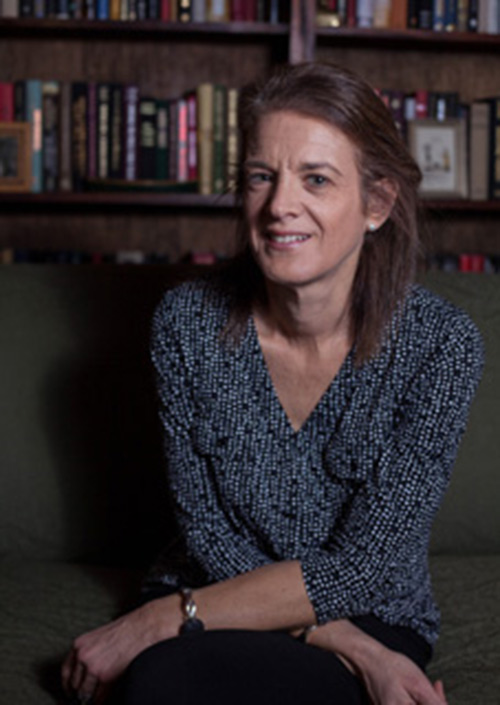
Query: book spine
pixel 34 115
pixel 147 138
pixel 495 148
pixel 473 16
pixel 232 146
pixel 116 162
pixel 92 131
pixel 218 11
pixel 50 135
pixel 103 138
pixel 425 14
pixel 65 181
pixel 131 98
pixel 26 8
pixel 192 137
pixel 172 139
pixel 7 101
pixel 364 13
pixel 219 139
pixel 20 101
pixel 162 156
pixel 182 141
pixel 79 137
pixel 184 10
pixel 9 8
pixel 102 9
pixel 205 101
pixel 450 15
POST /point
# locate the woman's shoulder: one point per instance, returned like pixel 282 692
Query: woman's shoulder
pixel 432 321
pixel 196 303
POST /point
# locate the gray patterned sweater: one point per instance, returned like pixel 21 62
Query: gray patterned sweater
pixel 352 494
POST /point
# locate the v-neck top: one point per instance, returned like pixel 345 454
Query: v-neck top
pixel 352 494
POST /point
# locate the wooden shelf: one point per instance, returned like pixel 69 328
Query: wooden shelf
pixel 119 199
pixel 10 28
pixel 409 38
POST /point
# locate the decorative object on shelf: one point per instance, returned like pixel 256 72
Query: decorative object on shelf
pixel 15 153
pixel 439 147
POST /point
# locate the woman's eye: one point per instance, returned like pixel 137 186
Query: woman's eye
pixel 317 180
pixel 258 177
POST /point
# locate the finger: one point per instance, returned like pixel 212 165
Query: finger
pixel 67 670
pixel 439 688
pixel 77 676
pixel 88 686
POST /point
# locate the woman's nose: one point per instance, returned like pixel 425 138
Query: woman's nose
pixel 283 199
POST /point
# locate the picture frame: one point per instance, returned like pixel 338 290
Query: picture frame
pixel 439 148
pixel 15 157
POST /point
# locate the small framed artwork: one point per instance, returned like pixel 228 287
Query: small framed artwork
pixel 15 157
pixel 439 148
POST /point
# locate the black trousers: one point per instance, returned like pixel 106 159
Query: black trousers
pixel 237 667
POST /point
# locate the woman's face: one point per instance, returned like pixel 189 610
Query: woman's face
pixel 303 205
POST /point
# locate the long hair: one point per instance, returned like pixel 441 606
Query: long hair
pixel 389 256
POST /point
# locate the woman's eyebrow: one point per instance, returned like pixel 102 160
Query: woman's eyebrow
pixel 311 166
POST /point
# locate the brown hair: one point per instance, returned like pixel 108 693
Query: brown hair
pixel 388 259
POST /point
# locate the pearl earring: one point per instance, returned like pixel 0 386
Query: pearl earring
pixel 372 227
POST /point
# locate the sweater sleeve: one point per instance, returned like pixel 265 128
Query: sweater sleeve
pixel 394 510
pixel 209 532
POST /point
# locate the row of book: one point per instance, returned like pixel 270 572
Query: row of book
pixel 88 136
pixel 481 118
pixel 10 255
pixel 270 11
pixel 434 15
pixel 465 262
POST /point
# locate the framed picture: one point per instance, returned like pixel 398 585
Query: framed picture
pixel 15 157
pixel 439 148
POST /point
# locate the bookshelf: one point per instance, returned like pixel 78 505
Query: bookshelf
pixel 171 58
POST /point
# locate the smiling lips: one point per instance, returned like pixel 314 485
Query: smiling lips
pixel 286 238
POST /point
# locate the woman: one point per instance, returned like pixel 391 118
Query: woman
pixel 312 401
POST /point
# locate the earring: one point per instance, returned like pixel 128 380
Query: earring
pixel 371 227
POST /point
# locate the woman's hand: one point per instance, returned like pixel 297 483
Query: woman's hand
pixel 394 679
pixel 100 656
pixel 390 678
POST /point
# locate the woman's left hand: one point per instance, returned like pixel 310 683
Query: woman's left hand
pixel 100 656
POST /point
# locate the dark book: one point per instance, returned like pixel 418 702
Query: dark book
pixel 219 137
pixel 173 136
pixel 65 150
pixel 26 8
pixel 7 110
pixel 20 101
pixel 34 117
pixel 92 130
pixel 147 138
pixel 51 95
pixel 162 141
pixel 443 105
pixel 425 14
pixel 184 10
pixel 130 128
pixel 103 133
pixel 450 15
pixel 413 14
pixel 473 16
pixel 116 132
pixel 79 137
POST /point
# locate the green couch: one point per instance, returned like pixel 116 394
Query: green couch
pixel 82 501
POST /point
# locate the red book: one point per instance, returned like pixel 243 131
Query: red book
pixel 464 263
pixel 471 263
pixel 238 11
pixel 165 12
pixel 422 104
pixel 192 138
pixel 6 102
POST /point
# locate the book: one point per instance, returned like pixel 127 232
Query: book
pixel 479 151
pixel 131 101
pixel 232 139
pixel 50 135
pixel 182 141
pixel 20 101
pixel 103 136
pixel 147 138
pixel 9 8
pixel 92 130
pixel 205 122
pixel 34 117
pixel 218 11
pixel 192 140
pixel 7 111
pixel 79 136
pixel 116 132
pixel 65 181
pixel 184 10
pixel 162 141
pixel 219 138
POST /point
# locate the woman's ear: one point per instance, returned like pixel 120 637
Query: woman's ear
pixel 381 200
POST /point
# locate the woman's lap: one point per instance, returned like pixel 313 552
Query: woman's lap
pixel 254 668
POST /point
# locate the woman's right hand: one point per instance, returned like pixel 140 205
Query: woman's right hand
pixel 390 678
pixel 394 679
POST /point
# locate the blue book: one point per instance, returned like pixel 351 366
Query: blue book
pixel 102 9
pixel 34 117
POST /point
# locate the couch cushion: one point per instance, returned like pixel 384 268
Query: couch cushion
pixel 43 607
pixel 467 655
pixel 469 520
